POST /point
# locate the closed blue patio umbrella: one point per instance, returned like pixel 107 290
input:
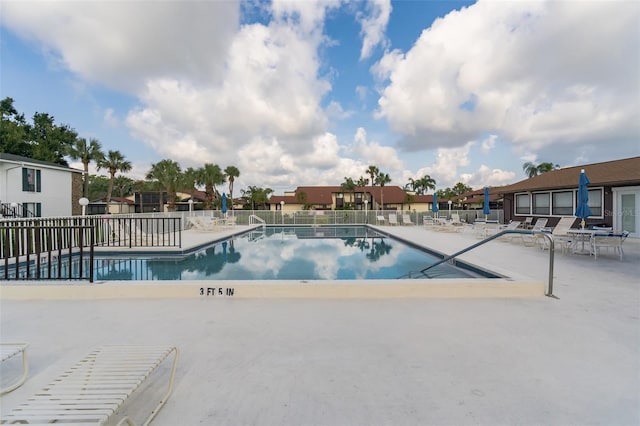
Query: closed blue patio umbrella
pixel 485 209
pixel 435 203
pixel 224 203
pixel 583 211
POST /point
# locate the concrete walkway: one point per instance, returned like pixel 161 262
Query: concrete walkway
pixel 529 361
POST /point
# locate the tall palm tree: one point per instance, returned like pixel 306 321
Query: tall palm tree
pixel 168 175
pixel 113 162
pixel 373 171
pixel 348 186
pixel 382 179
pixel 210 175
pixel 188 181
pixel 86 153
pixel 232 173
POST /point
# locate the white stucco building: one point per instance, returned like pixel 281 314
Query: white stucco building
pixel 38 188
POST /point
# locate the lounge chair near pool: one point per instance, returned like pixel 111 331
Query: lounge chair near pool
pixel 206 224
pixel 7 352
pixel 94 390
pixel 560 232
pixel 406 219
pixel 380 219
pixel 393 219
pixel 538 227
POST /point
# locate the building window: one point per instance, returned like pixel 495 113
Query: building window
pixel 595 202
pixel 32 209
pixel 523 204
pixel 562 203
pixel 541 203
pixel 31 180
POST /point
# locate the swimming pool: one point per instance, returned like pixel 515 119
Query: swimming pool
pixel 285 253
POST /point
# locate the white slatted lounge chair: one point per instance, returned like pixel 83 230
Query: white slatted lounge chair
pixel 393 219
pixel 7 352
pixel 406 219
pixel 560 234
pixel 380 219
pixel 93 390
pixel 427 221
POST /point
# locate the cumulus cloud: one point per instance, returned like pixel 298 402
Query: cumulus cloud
pixel 538 74
pixel 384 157
pixel 126 43
pixel 373 26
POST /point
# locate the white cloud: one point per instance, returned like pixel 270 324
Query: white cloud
pixel 130 38
pixel 362 92
pixel 335 110
pixel 445 169
pixel 373 26
pixel 538 74
pixel 485 176
pixel 488 144
pixel 384 157
pixel 110 118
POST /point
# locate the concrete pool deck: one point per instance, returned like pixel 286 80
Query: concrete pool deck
pixel 435 361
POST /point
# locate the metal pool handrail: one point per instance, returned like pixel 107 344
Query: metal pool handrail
pixel 499 234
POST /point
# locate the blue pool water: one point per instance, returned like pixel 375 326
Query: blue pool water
pixel 285 253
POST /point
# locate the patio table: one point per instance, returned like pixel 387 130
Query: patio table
pixel 580 236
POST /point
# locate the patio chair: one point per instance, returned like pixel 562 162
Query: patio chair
pixel 561 235
pixel 427 221
pixel 94 390
pixel 608 241
pixel 538 226
pixel 393 219
pixel 380 219
pixel 406 219
pixel 9 351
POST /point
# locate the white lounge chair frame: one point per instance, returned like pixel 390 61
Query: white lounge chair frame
pixel 393 219
pixel 608 241
pixel 7 352
pixel 93 390
pixel 406 219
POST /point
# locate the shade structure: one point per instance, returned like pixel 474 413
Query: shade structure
pixel 485 208
pixel 224 203
pixel 435 203
pixel 583 211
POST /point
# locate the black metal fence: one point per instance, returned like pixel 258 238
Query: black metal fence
pixel 54 252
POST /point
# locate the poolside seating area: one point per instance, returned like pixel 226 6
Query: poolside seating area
pixel 95 388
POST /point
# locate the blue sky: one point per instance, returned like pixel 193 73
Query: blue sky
pixel 308 93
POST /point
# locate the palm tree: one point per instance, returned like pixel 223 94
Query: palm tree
pixel 547 167
pixel 257 196
pixel 362 182
pixel 348 186
pixel 532 170
pixel 373 171
pixel 210 175
pixel 188 181
pixel 113 162
pixel 168 174
pixel 86 153
pixel 382 179
pixel 424 184
pixel 232 173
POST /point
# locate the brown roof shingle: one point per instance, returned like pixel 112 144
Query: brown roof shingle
pixel 610 173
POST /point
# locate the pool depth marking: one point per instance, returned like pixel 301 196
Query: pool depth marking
pixel 217 291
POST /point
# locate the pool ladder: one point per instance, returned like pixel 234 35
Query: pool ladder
pixel 548 236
